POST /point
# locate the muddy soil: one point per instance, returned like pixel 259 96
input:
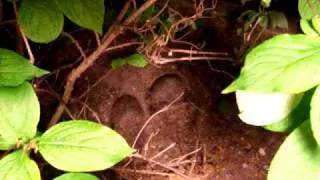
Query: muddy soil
pixel 199 134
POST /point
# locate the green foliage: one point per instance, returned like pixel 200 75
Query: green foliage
pixel 15 69
pixel 298 157
pixel 307 28
pixel 288 65
pixel 76 176
pixel 41 21
pixel 296 117
pixel 315 114
pixel 19 113
pixel 75 146
pixel 276 106
pixel 97 147
pixel 308 8
pixel 285 63
pixel 85 13
pixel 135 60
pixel 18 165
pixel 264 19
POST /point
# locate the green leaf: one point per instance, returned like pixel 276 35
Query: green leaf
pixel 296 117
pixel 315 114
pixel 86 13
pixel 116 63
pixel 80 146
pixel 15 69
pixel 6 145
pixel 286 63
pixel 41 21
pixel 137 60
pixel 76 176
pixel 261 109
pixel 298 157
pixel 316 23
pixel 307 28
pixel 308 8
pixel 18 166
pixel 19 113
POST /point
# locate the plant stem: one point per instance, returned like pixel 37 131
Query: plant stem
pixel 23 36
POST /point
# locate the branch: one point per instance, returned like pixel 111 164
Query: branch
pixel 23 36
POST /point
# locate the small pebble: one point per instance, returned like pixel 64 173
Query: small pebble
pixel 244 165
pixel 262 152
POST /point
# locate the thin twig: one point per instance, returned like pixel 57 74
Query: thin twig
pixel 76 43
pixel 144 172
pixel 123 46
pixel 146 146
pixel 185 51
pixel 97 39
pixel 161 165
pixel 138 12
pixel 152 116
pixel 163 151
pixel 23 36
pixel 162 60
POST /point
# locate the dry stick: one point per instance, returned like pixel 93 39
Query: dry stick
pixel 76 43
pixel 144 172
pixel 185 51
pixel 123 46
pixel 146 146
pixel 24 38
pixel 161 165
pixel 154 115
pixel 160 60
pixel 177 161
pixel 163 151
pixel 112 34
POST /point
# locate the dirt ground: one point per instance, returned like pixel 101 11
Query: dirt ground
pixel 198 134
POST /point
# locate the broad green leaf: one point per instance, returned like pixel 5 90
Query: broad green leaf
pixel 76 176
pixel 298 157
pixel 82 146
pixel 286 63
pixel 6 145
pixel 308 8
pixel 137 60
pixel 296 117
pixel 116 63
pixel 41 21
pixel 86 13
pixel 15 69
pixel 307 28
pixel 19 113
pixel 261 109
pixel 315 114
pixel 18 166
